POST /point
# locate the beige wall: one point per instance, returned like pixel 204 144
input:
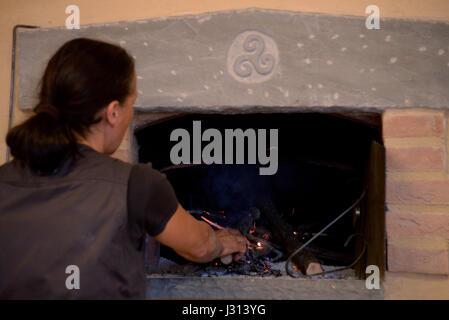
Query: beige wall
pixel 50 13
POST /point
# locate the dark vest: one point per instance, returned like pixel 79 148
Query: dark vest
pixel 76 217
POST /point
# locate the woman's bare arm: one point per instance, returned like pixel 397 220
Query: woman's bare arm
pixel 196 241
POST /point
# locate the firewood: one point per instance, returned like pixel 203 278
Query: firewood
pixel 282 233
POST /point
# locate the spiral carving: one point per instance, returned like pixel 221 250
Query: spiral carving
pixel 251 58
pixel 263 63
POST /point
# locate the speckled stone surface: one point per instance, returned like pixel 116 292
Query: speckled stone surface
pixel 259 288
pixel 257 58
pixel 168 281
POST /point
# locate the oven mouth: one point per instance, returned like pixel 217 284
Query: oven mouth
pixel 325 167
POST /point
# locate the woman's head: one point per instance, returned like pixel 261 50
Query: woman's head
pixel 92 86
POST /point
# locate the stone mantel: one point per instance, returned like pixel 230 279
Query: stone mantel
pixel 259 59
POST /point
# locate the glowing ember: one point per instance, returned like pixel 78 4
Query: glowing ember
pixel 253 229
pixel 212 223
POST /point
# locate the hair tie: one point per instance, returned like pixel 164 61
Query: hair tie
pixel 49 109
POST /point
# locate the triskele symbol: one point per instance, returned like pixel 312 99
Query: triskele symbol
pixel 262 62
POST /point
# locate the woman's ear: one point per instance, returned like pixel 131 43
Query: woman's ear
pixel 112 113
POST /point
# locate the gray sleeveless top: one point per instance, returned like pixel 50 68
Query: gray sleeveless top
pixel 80 216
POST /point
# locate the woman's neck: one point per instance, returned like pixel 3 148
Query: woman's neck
pixel 94 141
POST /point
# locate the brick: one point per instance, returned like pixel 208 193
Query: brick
pixel 407 175
pixel 412 286
pixel 414 224
pixel 415 159
pixel 401 125
pixel 418 260
pixel 417 191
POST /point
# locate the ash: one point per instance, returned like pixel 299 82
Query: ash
pixel 263 258
pixel 265 268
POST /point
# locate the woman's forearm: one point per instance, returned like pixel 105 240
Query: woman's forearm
pixel 212 246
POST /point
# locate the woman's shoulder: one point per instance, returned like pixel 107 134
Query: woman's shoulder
pixel 146 172
pixel 92 164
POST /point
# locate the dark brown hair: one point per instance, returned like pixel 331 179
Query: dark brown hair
pixel 81 78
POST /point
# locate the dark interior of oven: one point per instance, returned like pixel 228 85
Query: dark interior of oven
pixel 324 161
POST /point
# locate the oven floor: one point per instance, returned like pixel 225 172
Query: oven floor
pixel 176 285
pixel 245 287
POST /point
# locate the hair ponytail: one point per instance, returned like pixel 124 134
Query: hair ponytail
pixel 81 78
pixel 41 143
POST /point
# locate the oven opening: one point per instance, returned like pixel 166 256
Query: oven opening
pixel 329 172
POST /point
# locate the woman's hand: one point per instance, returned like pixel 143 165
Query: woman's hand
pixel 234 245
pixel 196 241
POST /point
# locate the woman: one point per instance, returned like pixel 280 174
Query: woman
pixel 66 206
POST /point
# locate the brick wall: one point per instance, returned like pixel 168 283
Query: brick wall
pixel 417 190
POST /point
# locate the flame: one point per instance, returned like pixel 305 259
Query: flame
pixel 251 231
pixel 259 244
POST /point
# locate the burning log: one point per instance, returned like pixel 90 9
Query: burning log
pixel 283 234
